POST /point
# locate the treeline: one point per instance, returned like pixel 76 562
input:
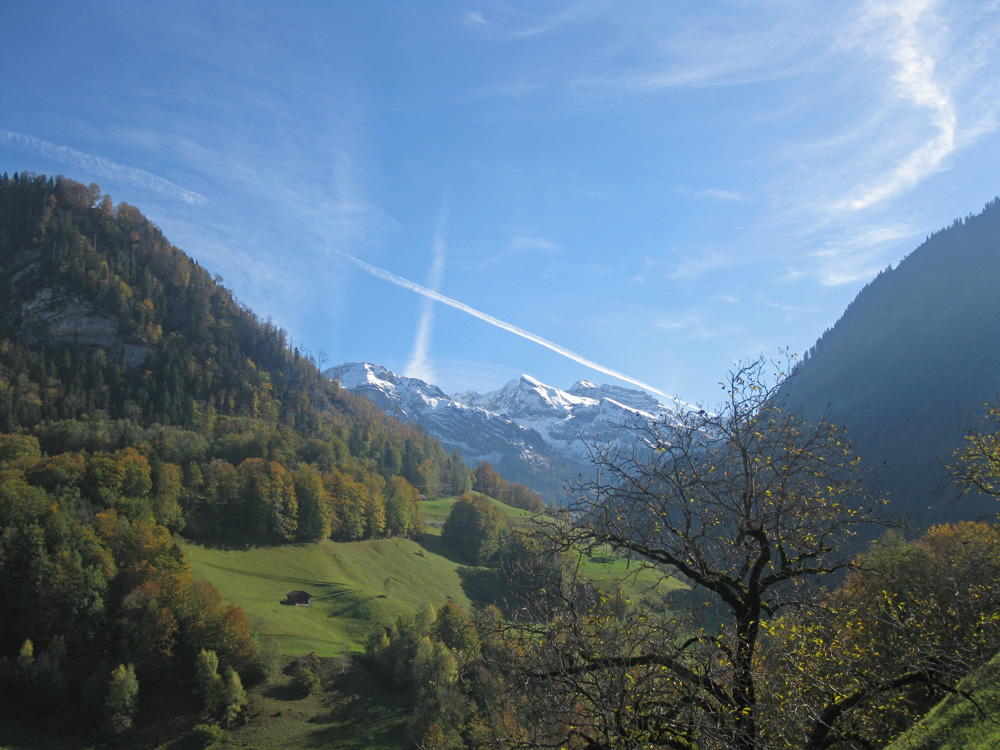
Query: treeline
pixel 486 480
pixel 479 679
pixel 97 598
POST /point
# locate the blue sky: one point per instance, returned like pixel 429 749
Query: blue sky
pixel 640 192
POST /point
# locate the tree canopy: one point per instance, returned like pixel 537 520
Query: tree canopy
pixel 756 509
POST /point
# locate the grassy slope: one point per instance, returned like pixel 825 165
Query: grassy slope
pixel 955 723
pixel 347 582
pixel 609 573
pixel 437 510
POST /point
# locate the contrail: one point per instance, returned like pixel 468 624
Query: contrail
pixel 419 365
pixel 381 273
pixel 100 166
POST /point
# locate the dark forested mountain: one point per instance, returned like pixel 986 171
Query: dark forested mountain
pixel 914 352
pixel 137 397
pixel 108 332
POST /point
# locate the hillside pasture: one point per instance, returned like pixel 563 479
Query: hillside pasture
pixel 436 512
pixel 357 584
pixel 354 585
pixel 957 723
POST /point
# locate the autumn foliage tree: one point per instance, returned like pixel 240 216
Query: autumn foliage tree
pixel 909 622
pixel 976 465
pixel 754 508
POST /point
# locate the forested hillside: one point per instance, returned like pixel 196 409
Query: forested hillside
pixel 138 397
pixel 914 352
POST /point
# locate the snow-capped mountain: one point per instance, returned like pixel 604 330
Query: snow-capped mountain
pixel 531 432
pixel 519 454
pixel 570 420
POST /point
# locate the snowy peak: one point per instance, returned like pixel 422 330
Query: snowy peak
pixel 385 388
pixel 629 398
pixel 526 397
pixel 518 453
pixel 530 431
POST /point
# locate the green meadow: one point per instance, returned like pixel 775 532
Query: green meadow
pixel 436 512
pixel 353 584
pixel 358 584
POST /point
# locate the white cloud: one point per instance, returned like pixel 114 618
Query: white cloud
pixel 858 255
pixel 693 326
pixel 508 22
pixel 697 262
pixel 728 195
pixel 670 49
pixel 906 33
pixel 100 166
pixel 519 244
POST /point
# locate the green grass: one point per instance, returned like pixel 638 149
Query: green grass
pixel 955 723
pixel 353 712
pixel 436 512
pixel 610 573
pixel 347 581
pixel 348 584
pixel 617 574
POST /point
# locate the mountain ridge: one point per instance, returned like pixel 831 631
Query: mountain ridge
pixel 546 430
pixel 912 356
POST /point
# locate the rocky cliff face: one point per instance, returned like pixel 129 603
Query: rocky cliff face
pixel 50 315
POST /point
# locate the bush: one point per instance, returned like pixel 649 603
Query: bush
pixel 306 682
pixel 121 701
pixel 234 697
pixel 207 734
pixel 267 662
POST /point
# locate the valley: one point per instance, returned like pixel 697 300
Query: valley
pixel 172 469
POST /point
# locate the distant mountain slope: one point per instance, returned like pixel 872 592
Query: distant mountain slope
pixel 918 347
pixel 568 420
pixel 531 432
pixel 518 454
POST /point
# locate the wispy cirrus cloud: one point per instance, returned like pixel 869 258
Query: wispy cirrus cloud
pixel 696 325
pixel 508 22
pixel 697 262
pixel 924 68
pixel 908 34
pixel 726 195
pixel 523 244
pixel 100 166
pixel 855 255
pixel 675 50
pixel 531 244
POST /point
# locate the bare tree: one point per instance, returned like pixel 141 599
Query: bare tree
pixel 754 508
